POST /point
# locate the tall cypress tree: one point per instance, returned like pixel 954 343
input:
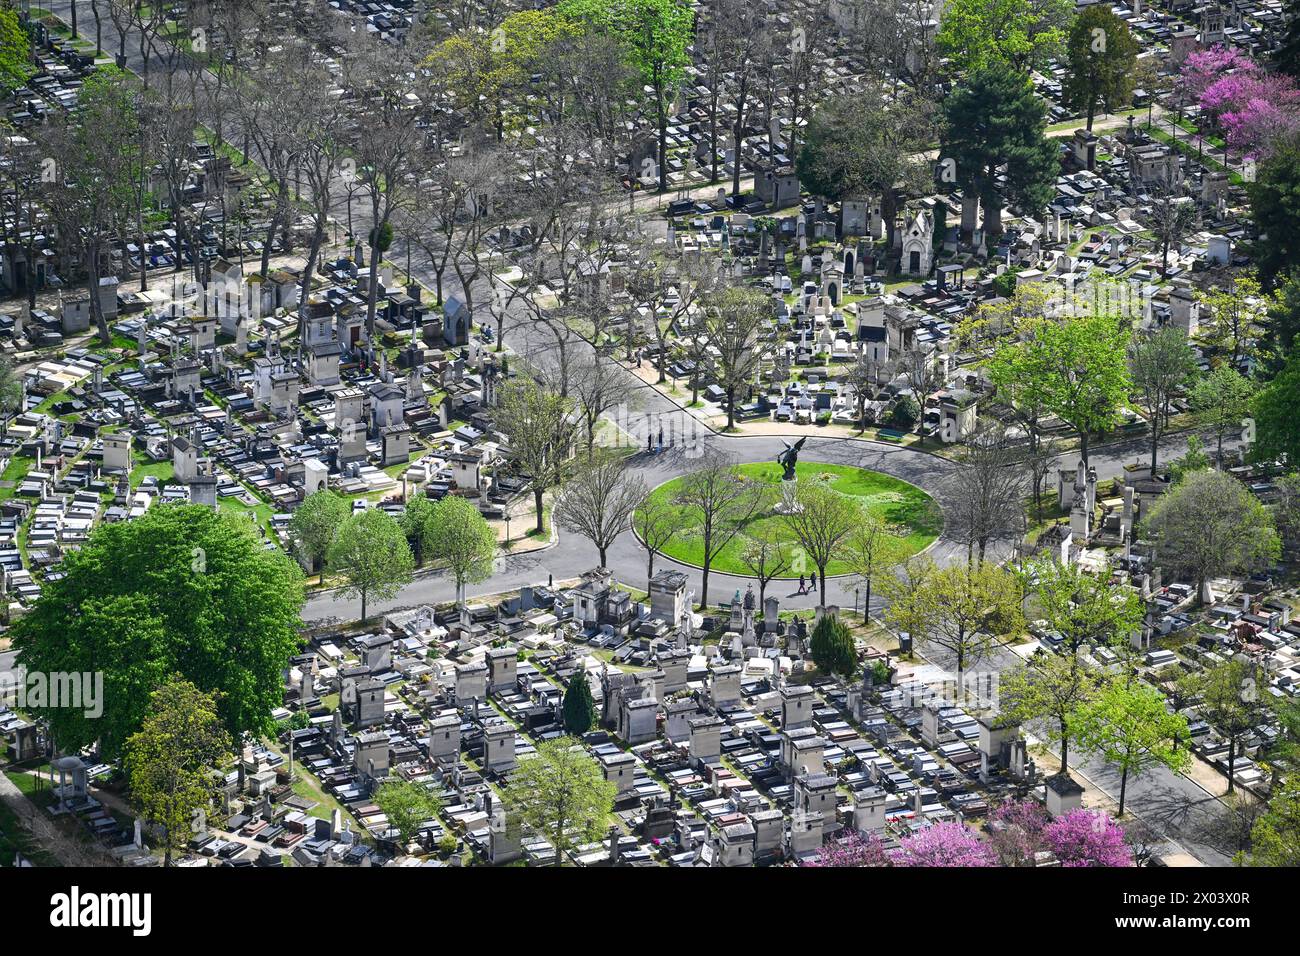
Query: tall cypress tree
pixel 579 708
pixel 832 647
pixel 1287 56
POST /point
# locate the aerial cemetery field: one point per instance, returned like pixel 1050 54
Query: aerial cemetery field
pixel 650 433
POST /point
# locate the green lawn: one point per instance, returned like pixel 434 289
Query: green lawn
pixel 910 510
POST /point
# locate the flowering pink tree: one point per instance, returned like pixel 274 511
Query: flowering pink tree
pixel 1087 838
pixel 944 844
pixel 1016 832
pixel 1205 67
pixel 854 849
pixel 1249 104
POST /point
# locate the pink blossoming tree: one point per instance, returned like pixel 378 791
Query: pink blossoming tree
pixel 853 849
pixel 1087 838
pixel 944 844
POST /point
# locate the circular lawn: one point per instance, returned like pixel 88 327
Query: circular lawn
pixel 912 514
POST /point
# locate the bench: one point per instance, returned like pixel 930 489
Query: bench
pixel 889 434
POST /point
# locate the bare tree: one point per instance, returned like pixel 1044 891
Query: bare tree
pixel 984 497
pixel 820 520
pixel 598 502
pixel 719 504
pixel 737 327
pixel 658 519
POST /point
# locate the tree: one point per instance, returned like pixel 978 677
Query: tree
pixel 15 51
pixel 314 525
pixel 1223 400
pixel 872 552
pixel 1172 216
pixel 579 708
pixel 995 119
pixel 1083 608
pixel 1210 525
pixel 832 647
pixel 408 806
pixel 416 522
pixel 944 844
pixel 372 555
pixel 540 429
pixel 1161 365
pixel 736 322
pixel 1281 325
pixel 461 541
pixel 1101 53
pixel 658 519
pixel 1087 838
pixel 765 555
pixel 820 521
pixel 1129 725
pixel 559 793
pixel 11 392
pixel 717 502
pixel 851 848
pixel 1286 56
pixel 1228 697
pixel 866 144
pixel 1275 838
pixel 1235 310
pixel 180 590
pixel 95 154
pixel 1276 432
pixel 656 34
pixel 970 605
pixel 1051 687
pixel 908 608
pixel 1019 34
pixel 984 496
pixel 599 502
pixel 1016 832
pixel 1074 369
pixel 1275 209
pixel 171 762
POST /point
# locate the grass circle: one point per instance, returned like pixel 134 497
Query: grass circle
pixel 912 514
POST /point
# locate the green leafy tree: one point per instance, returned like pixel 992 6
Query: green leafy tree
pixel 1222 399
pixel 1074 369
pixel 408 806
pixel 1275 838
pixel 560 794
pixel 461 541
pixel 579 707
pixel 1083 608
pixel 372 555
pixel 1101 53
pixel 180 590
pixel 314 524
pixel 1053 688
pixel 970 606
pixel 172 761
pixel 1161 365
pixel 1228 696
pixel 1233 312
pixel 1210 525
pixel 1286 57
pixel 1130 726
pixel 15 51
pixel 996 120
pixel 1275 209
pixel 657 36
pixel 1281 325
pixel 416 522
pixel 832 647
pixel 1276 429
pixel 1020 34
